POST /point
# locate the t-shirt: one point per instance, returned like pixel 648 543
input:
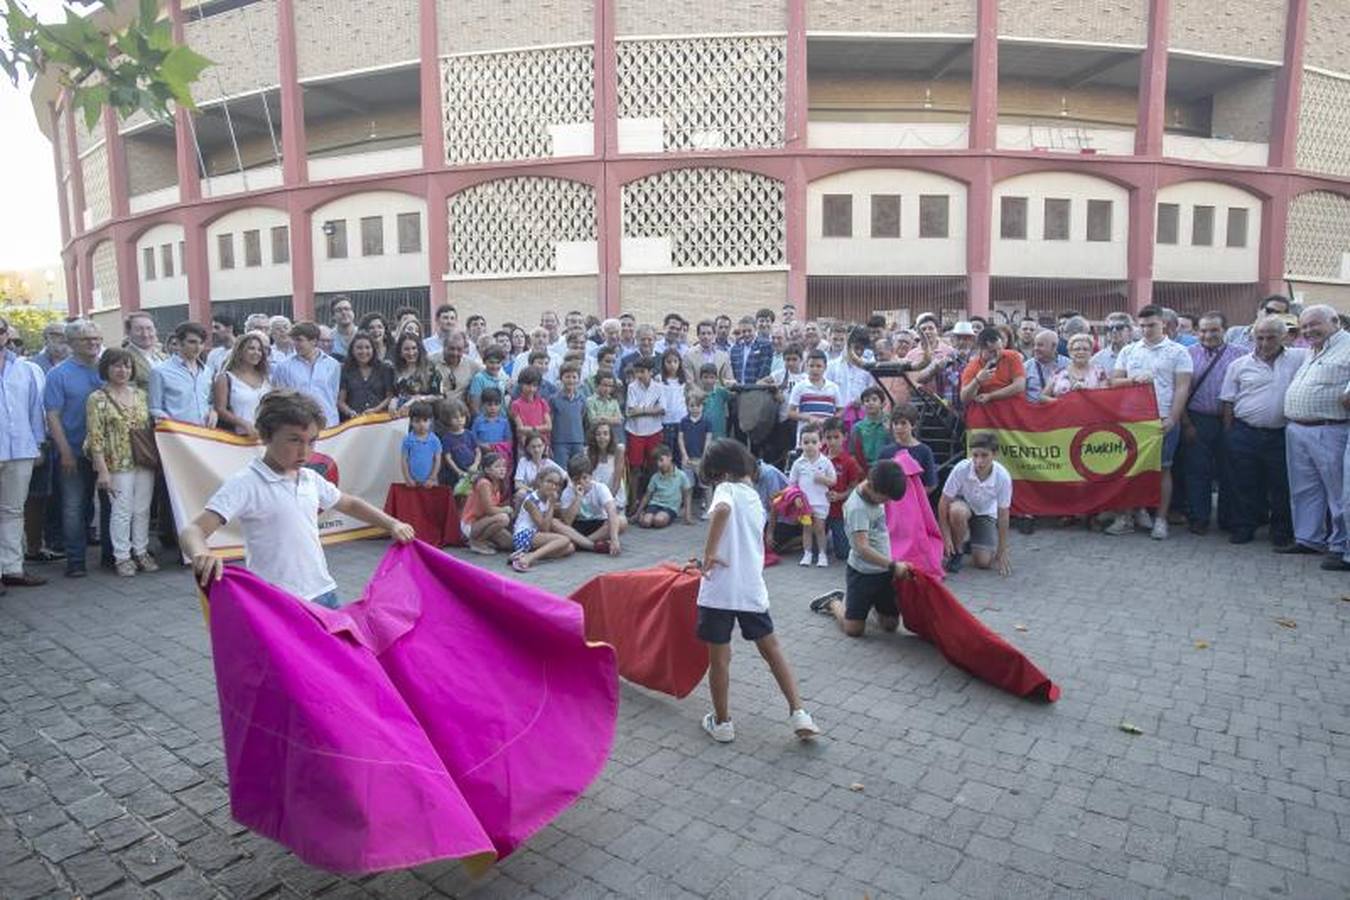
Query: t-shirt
pixel 530 413
pixel 568 418
pixel 715 410
pixel 739 584
pixel 674 402
pixel 527 470
pixel 803 474
pixel 279 519
pixel 1010 367
pixel 770 481
pixel 491 431
pixel 593 502
pixel 461 447
pixel 484 379
pixel 421 453
pixel 859 515
pixel 817 401
pixel 1164 361
pixel 985 498
pixel 921 453
pixel 667 490
pixel 695 436
pixel 848 472
pixel 870 436
pixel 524 521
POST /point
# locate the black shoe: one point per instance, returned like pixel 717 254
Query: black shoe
pixel 1200 528
pixel 1334 564
pixel 1240 537
pixel 1026 524
pixel 822 603
pixel 954 564
pixel 1297 549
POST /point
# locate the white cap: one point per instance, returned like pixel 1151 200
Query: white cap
pixel 963 328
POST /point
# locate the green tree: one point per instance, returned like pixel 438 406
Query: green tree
pixel 137 67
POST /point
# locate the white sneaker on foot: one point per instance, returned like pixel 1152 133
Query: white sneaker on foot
pixel 802 723
pixel 1119 525
pixel 806 559
pixel 722 732
pixel 1142 519
pixel 823 561
pixel 1159 532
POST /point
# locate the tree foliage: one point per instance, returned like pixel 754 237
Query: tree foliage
pixel 135 68
pixel 29 321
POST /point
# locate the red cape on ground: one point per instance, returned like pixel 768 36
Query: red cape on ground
pixel 432 513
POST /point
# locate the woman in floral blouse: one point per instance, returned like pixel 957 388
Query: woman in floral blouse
pixel 114 411
pixel 415 378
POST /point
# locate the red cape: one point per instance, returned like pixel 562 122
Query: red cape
pixel 432 513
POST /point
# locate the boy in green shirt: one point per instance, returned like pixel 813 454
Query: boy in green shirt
pixel 715 400
pixel 871 432
pixel 667 496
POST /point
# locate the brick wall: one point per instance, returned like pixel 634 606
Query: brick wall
pixel 472 27
pixel 151 165
pixel 647 17
pixel 1318 235
pixel 337 36
pixel 1252 28
pixel 1324 125
pixel 243 45
pixel 97 198
pixel 105 274
pixel 1243 111
pixel 937 16
pixel 1328 40
pixel 522 300
pixel 1102 21
pixel 700 295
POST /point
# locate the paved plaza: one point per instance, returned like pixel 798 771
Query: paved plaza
pixel 1234 663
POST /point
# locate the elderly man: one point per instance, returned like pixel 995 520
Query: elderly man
pixel 1244 335
pixel 1155 359
pixel 646 349
pixel 1043 363
pixel 1252 399
pixel 752 354
pixel 1119 333
pixel 446 322
pixel 552 325
pixel 609 338
pixel 54 347
pixel 1315 438
pixel 706 352
pixel 539 341
pixel 1206 457
pixel 142 340
pixel 180 387
pixel 22 431
pixel 279 330
pixel 311 371
pixel 64 398
pixel 259 322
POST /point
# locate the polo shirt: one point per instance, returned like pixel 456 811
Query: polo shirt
pixel 1008 370
pixel 1256 388
pixel 279 519
pixel 1164 360
pixel 1315 390
pixel 69 385
pixel 569 414
pixel 421 453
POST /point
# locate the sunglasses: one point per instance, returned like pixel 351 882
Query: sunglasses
pixel 1116 327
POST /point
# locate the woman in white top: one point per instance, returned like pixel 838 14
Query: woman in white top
pixel 241 386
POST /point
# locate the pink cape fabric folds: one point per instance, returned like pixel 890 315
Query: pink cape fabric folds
pixel 450 713
pixel 915 536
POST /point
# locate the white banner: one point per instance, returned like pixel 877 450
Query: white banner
pixel 360 456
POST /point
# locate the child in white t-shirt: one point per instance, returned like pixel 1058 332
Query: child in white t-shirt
pixel 733 589
pixel 974 509
pixel 277 502
pixel 814 474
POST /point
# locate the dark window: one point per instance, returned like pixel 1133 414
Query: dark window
pixel 410 232
pixel 1169 223
pixel 1099 220
pixel 148 263
pixel 1237 226
pixel 885 215
pixel 1202 226
pixel 838 215
pixel 1056 224
pixel 372 236
pixel 281 245
pixel 252 248
pixel 225 250
pixel 166 260
pixel 1012 218
pixel 934 211
pixel 335 232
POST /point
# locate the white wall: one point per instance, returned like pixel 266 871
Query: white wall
pixel 161 291
pixel 355 273
pixel 1183 262
pixel 906 255
pixel 1075 258
pixel 268 280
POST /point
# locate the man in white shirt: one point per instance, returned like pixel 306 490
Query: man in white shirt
pixel 447 317
pixel 1119 334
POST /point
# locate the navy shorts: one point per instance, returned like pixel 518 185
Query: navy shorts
pixel 866 591
pixel 714 625
pixel 654 509
pixel 1171 440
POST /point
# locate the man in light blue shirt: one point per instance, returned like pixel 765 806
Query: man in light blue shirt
pixel 310 371
pixel 180 387
pixel 22 431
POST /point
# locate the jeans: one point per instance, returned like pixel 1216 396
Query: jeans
pixel 14 477
pixel 77 502
pixel 563 453
pixel 1206 464
pixel 838 538
pixel 129 518
pixel 1256 461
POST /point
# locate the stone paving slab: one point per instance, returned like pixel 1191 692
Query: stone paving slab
pixel 112 780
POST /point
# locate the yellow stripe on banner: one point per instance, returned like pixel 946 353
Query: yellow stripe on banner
pixel 1083 454
pixel 229 437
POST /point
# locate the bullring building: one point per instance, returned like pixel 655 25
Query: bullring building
pixel 991 156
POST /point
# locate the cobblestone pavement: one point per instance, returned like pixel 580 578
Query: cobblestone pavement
pixel 112 778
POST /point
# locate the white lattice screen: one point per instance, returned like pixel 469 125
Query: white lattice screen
pixel 104 264
pixel 1318 235
pixel 708 92
pixel 1324 121
pixel 513 225
pixel 715 218
pixel 97 192
pixel 499 106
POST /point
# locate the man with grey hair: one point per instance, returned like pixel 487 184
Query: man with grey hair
pixel 1243 335
pixel 258 322
pixel 54 347
pixel 1315 439
pixel 609 337
pixel 142 342
pixel 1119 333
pixel 283 348
pixel 22 432
pixel 1045 360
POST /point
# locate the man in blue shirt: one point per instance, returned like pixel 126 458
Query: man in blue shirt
pixel 54 349
pixel 752 354
pixel 310 371
pixel 68 387
pixel 180 387
pixel 22 430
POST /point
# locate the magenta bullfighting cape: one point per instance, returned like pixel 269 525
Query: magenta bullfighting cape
pixel 449 713
pixel 915 536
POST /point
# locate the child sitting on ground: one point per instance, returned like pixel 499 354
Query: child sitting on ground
pixel 869 578
pixel 588 506
pixel 460 450
pixel 904 419
pixel 486 519
pixel 848 473
pixel 974 510
pixel 534 537
pixel 533 463
pixel 667 495
pixel 732 590
pixel 277 502
pixel 421 450
pixel 814 475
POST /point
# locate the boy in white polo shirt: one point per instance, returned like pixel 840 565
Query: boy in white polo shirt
pixel 277 502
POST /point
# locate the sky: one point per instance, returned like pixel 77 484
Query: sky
pixel 30 234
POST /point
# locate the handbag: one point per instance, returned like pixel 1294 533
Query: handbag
pixel 144 451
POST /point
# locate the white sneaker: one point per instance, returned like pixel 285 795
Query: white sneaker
pixel 725 732
pixel 1142 519
pixel 823 562
pixel 802 723
pixel 1119 525
pixel 806 559
pixel 707 514
pixel 1159 532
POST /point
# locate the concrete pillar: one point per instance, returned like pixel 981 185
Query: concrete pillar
pixel 294 159
pixel 1148 134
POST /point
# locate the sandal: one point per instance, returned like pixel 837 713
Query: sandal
pixel 822 603
pixel 519 564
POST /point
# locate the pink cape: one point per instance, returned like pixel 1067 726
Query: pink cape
pixel 449 713
pixel 915 536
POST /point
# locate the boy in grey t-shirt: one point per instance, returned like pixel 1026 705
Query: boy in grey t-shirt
pixel 871 573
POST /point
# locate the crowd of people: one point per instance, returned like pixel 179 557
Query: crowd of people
pixel 558 437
